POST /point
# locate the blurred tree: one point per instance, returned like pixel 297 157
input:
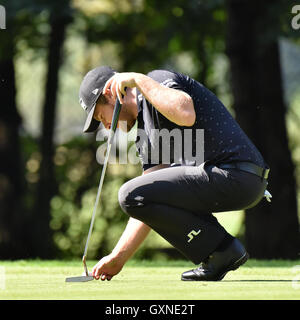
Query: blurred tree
pixel 13 217
pixel 151 35
pixel 23 22
pixel 272 230
pixel 11 179
pixel 59 18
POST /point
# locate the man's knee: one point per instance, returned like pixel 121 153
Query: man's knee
pixel 123 196
pixel 130 198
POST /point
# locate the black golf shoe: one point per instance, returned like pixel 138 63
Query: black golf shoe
pixel 215 267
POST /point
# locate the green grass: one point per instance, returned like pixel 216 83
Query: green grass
pixel 148 280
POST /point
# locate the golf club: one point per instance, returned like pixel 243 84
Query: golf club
pixel 115 118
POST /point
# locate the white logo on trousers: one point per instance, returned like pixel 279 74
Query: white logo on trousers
pixel 192 234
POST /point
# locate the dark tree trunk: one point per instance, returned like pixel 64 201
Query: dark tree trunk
pixel 11 177
pixel 46 187
pixel 272 230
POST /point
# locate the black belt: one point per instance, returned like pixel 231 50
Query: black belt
pixel 248 167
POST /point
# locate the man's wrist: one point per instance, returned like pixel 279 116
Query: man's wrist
pixel 120 256
pixel 138 79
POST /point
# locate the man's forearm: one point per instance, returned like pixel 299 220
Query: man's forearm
pixel 134 234
pixel 175 105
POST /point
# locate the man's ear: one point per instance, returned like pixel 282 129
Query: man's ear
pixel 108 96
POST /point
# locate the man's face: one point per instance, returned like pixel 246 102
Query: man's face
pixel 104 112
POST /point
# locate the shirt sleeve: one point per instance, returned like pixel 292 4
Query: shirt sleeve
pixel 167 78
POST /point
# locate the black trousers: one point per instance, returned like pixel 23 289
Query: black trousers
pixel 178 203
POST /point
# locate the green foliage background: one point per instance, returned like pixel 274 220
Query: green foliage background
pixel 129 35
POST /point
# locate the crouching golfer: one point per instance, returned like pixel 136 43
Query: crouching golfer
pixel 177 201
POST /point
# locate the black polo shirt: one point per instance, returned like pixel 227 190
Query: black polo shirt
pixel 217 135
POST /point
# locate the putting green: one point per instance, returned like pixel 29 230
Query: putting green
pixel 148 280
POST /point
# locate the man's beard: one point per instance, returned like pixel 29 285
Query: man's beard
pixel 126 125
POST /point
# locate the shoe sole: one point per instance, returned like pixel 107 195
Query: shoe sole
pixel 234 266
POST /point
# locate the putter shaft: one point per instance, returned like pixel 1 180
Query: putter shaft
pixel 115 119
pixel 96 202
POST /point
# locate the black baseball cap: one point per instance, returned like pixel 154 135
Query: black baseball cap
pixel 90 90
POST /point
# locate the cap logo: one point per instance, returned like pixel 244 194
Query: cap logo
pixel 83 105
pixel 95 91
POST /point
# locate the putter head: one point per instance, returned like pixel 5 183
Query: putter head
pixel 86 276
pixel 80 279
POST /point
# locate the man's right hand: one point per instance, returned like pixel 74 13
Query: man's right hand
pixel 107 267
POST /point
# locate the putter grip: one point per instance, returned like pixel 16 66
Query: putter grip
pixel 115 116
